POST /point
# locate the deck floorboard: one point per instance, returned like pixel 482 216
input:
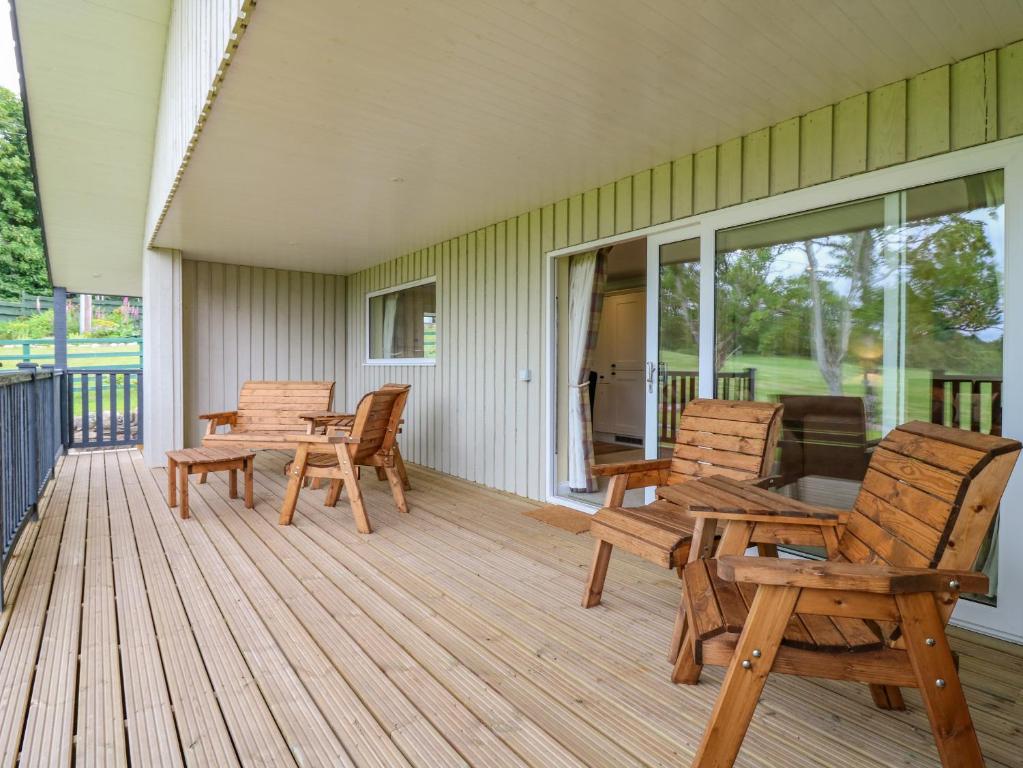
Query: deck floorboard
pixel 449 636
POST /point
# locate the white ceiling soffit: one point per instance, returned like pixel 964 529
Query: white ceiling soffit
pixel 93 72
pixel 347 133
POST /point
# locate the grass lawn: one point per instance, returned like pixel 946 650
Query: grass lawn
pixel 99 355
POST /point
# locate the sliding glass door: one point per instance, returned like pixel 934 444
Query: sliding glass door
pixel 863 316
pixel 673 337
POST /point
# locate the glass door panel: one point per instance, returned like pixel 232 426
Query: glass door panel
pixel 678 335
pixel 863 316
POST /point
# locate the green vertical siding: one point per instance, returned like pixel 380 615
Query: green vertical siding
pixel 470 415
pixel 756 165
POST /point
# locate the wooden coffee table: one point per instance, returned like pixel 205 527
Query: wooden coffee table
pixel 195 461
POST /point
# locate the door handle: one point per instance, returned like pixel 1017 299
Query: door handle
pixel 651 369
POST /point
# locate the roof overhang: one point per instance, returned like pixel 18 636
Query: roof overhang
pixel 346 134
pixel 93 73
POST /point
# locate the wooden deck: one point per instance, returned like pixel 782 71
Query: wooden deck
pixel 449 636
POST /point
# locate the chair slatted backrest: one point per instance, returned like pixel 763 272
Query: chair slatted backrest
pixel 928 498
pixel 729 438
pixel 823 436
pixel 274 406
pixel 378 419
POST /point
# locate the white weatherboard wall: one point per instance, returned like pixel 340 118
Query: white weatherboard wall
pixel 241 323
pixel 200 33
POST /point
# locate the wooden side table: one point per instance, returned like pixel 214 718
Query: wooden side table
pixel 199 461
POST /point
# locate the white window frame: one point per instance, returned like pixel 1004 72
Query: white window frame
pixel 369 360
pixel 1006 619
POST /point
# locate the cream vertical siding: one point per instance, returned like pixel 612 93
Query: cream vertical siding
pixel 470 416
pixel 201 38
pixel 241 323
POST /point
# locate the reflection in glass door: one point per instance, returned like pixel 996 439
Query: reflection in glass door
pixel 678 335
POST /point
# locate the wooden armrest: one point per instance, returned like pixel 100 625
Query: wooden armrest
pixel 325 439
pixel 818 518
pixel 223 417
pixel 630 467
pixel 767 482
pixel 324 417
pixel 853 577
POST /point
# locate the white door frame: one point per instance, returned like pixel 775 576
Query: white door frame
pixel 1005 620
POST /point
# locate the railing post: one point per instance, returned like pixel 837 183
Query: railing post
pixel 59 328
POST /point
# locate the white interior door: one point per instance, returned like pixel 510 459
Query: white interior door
pixel 619 408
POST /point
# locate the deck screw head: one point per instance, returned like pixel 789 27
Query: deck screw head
pixel 940 682
pixel 746 664
pixel 930 641
pixel 756 653
pixel 953 584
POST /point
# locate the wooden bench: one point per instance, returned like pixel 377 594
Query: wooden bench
pixel 268 415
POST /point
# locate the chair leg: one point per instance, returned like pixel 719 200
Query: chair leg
pixel 202 478
pixel 397 488
pixel 344 460
pixel 381 475
pixel 678 632
pixel 887 697
pixel 598 572
pixel 333 493
pixel 701 547
pixel 399 464
pixel 295 477
pixel 686 671
pixel 767 550
pixel 740 692
pixel 938 680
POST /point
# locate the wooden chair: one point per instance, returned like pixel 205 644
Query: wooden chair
pixel 268 414
pixel 875 611
pixel 341 423
pixel 715 437
pixel 337 457
pixel 823 436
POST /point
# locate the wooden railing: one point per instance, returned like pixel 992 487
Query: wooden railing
pixel 679 387
pixel 954 396
pixel 30 442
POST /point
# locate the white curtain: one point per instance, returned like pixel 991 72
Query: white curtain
pixel 587 276
pixel 390 313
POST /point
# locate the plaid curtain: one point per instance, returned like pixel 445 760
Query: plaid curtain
pixel 587 278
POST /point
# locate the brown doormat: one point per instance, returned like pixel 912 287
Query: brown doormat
pixel 600 447
pixel 565 518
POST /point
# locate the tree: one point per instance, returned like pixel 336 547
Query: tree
pixel 22 265
pixel 833 313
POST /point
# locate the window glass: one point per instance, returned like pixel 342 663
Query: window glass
pixel 863 316
pixel 403 323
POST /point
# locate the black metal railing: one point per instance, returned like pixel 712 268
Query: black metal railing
pixel 679 387
pixel 104 407
pixel 31 439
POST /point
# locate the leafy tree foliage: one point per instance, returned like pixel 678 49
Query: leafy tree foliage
pixel 22 266
pixel 823 299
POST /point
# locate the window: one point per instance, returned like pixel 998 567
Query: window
pixel 864 316
pixel 402 323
